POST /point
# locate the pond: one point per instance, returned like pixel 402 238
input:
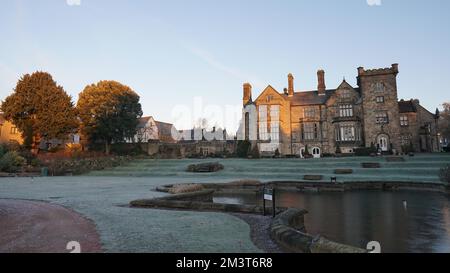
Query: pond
pixel 421 225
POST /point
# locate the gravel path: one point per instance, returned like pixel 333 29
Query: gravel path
pixel 260 231
pixel 39 227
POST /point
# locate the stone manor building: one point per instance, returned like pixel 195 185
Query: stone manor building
pixel 346 118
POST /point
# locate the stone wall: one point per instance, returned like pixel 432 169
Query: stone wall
pixel 188 149
pixel 288 230
pixel 376 83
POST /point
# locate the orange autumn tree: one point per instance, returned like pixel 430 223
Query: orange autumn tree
pixel 40 108
pixel 109 112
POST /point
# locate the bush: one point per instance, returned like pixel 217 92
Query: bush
pixel 447 149
pixel 124 149
pixel 277 153
pixel 243 148
pixel 79 166
pixel 408 148
pixel 444 174
pixel 366 151
pixel 11 162
pixel 27 154
pixel 3 150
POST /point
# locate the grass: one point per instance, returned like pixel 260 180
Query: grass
pixel 421 168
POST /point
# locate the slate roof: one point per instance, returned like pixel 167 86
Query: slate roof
pixel 406 107
pixel 310 98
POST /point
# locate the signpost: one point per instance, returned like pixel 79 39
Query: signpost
pixel 269 195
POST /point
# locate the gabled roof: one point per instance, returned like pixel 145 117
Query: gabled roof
pixel 165 129
pixel 143 122
pixel 344 84
pixel 267 89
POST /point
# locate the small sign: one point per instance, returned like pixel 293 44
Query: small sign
pixel 268 197
pixel 268 194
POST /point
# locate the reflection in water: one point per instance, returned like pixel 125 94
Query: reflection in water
pixel 357 218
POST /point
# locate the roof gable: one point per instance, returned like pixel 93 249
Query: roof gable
pixel 269 91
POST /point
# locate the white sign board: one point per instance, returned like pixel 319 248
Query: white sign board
pixel 268 197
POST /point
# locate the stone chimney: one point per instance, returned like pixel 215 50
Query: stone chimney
pixel 321 82
pixel 394 67
pixel 247 93
pixel 290 85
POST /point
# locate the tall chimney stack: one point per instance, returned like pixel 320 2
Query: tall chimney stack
pixel 321 82
pixel 290 85
pixel 247 93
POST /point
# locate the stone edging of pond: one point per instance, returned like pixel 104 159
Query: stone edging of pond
pixel 198 201
pixel 352 186
pixel 288 230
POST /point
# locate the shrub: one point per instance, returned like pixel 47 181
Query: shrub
pixel 447 149
pixel 124 149
pixel 277 153
pixel 444 174
pixel 27 154
pixel 11 162
pixel 243 148
pixel 79 166
pixel 3 150
pixel 408 148
pixel 35 162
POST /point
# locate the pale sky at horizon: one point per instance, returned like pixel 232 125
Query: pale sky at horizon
pixel 171 52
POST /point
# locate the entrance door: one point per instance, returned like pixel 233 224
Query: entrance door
pixel 383 143
pixel 316 152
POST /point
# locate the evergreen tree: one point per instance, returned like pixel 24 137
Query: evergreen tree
pixel 40 108
pixel 109 112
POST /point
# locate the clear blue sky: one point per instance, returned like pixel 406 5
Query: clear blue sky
pixel 172 51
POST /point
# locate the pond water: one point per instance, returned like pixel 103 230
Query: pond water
pixel 358 217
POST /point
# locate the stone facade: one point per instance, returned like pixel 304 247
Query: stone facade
pixel 341 119
pixel 9 132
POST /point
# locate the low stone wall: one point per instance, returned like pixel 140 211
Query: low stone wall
pixel 288 230
pixel 351 186
pixel 199 201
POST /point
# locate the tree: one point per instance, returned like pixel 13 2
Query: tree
pixel 40 108
pixel 444 121
pixel 109 112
